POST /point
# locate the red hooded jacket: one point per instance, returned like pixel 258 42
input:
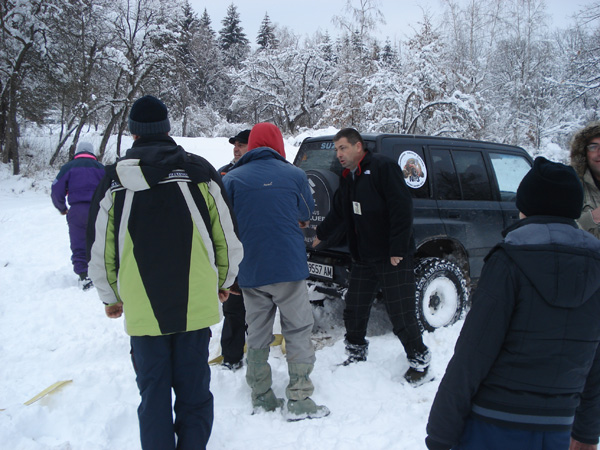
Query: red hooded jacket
pixel 266 135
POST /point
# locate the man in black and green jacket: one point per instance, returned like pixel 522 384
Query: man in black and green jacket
pixel 164 251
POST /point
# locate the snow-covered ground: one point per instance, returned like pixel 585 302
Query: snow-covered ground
pixel 50 331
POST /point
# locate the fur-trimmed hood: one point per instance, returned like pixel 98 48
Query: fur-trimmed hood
pixel 578 143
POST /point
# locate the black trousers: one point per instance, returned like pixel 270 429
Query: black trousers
pixel 398 287
pixel 233 336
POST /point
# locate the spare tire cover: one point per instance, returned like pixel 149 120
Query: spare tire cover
pixel 323 185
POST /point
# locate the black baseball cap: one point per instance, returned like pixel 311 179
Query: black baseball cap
pixel 241 137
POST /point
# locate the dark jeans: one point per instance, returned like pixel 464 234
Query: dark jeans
pixel 398 287
pixel 233 336
pixel 482 435
pixel 178 361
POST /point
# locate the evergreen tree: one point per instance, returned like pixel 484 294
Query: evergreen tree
pixel 232 38
pixel 327 48
pixel 266 34
pixel 206 23
pixel 388 55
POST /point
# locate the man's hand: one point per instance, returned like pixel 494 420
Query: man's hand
pixel 64 213
pixel 114 311
pixel 304 223
pixel 235 289
pixel 395 260
pixel 223 295
pixel 596 215
pixel 316 241
pixel 576 445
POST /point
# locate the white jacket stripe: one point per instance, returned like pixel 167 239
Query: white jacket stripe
pixel 97 266
pixel 235 251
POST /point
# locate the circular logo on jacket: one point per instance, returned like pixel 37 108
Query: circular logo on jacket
pixel 413 169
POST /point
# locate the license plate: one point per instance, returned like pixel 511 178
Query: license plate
pixel 320 270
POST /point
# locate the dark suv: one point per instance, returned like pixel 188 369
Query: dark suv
pixel 463 197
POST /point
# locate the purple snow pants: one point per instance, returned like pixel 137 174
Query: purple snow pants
pixel 77 218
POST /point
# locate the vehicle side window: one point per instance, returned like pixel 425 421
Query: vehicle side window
pixel 474 180
pixel 318 156
pixel 509 170
pixel 445 181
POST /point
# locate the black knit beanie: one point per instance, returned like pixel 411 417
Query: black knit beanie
pixel 550 189
pixel 148 115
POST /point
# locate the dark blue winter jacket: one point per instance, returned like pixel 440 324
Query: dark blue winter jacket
pixel 269 196
pixel 528 353
pixel 78 180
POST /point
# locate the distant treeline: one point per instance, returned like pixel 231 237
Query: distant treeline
pixel 488 69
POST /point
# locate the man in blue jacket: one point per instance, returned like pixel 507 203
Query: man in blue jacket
pixel 76 181
pixel 525 374
pixel 272 201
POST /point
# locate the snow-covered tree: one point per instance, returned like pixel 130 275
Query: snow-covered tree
pixel 232 38
pixel 353 64
pixel 284 86
pixel 213 87
pixel 520 73
pixel 141 51
pixel 23 31
pixel 266 34
pixel 421 98
pixel 76 57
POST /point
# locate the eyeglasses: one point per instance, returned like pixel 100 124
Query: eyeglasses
pixel 591 148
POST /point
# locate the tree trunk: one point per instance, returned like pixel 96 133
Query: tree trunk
pixel 107 134
pixel 60 145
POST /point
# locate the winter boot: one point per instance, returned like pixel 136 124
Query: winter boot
pixel 418 372
pixel 355 352
pixel 233 366
pixel 85 282
pixel 300 406
pixel 258 377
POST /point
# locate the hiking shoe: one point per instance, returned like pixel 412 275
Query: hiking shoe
pixel 267 402
pixel 85 283
pixel 233 366
pixel 304 409
pixel 417 377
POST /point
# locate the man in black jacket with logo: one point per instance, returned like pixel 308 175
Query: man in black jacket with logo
pixel 375 206
pixel 525 374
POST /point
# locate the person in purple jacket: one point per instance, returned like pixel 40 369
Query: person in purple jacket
pixel 76 182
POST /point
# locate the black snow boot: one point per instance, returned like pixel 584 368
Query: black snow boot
pixel 356 353
pixel 418 372
pixel 85 283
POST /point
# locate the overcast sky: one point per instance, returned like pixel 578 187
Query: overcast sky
pixel 304 17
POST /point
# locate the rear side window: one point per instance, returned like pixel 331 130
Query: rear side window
pixel 319 155
pixel 445 180
pixel 509 170
pixel 474 180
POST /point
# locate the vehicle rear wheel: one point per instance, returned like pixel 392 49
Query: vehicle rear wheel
pixel 441 293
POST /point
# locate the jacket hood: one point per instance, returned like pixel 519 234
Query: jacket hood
pixel 266 135
pixel 561 261
pixel 578 143
pixel 155 159
pixel 258 154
